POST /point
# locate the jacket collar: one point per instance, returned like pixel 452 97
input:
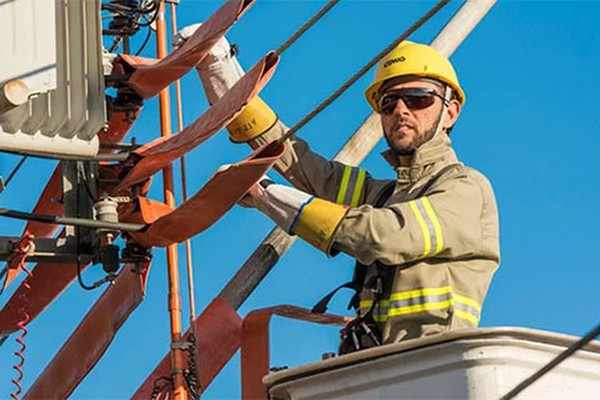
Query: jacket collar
pixel 436 151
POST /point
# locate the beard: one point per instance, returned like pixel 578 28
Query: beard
pixel 408 149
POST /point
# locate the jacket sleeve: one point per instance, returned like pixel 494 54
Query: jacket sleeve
pixel 311 173
pixel 451 222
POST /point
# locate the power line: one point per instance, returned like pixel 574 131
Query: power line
pixel 363 70
pixel 557 360
pixel 306 26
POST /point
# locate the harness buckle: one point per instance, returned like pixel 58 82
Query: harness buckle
pixel 377 289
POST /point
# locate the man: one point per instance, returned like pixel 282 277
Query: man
pixel 428 239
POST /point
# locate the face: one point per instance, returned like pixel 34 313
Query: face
pixel 406 129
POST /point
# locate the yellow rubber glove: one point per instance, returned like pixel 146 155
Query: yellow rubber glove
pixel 313 219
pixel 218 72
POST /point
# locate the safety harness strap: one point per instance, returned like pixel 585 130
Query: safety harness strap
pixel 360 270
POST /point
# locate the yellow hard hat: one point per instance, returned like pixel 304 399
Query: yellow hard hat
pixel 410 58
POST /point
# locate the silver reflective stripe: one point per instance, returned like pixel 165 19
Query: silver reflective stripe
pixel 379 313
pixel 430 226
pixel 433 242
pixel 467 308
pixel 420 300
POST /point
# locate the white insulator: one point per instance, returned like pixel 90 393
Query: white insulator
pixel 106 210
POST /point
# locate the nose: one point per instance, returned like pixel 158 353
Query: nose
pixel 400 108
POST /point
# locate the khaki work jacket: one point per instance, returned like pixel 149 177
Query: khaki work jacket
pixel 438 252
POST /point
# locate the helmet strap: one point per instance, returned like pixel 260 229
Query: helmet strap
pixel 442 118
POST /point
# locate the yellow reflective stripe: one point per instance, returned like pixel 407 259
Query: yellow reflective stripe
pixel 419 308
pixel 468 301
pixel 419 293
pixel 366 303
pixel 369 303
pixel 467 316
pixel 436 225
pixel 424 229
pixel 455 301
pixel 344 185
pixel 360 180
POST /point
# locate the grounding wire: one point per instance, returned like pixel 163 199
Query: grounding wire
pixel 306 26
pixel 362 71
pixel 78 235
pixel 146 39
pixel 553 363
pixel 193 378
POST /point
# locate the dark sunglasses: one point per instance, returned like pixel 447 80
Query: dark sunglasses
pixel 413 98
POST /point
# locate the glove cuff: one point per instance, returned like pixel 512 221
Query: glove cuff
pixel 254 120
pixel 317 222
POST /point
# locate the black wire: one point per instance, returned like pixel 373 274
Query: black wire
pixel 77 236
pixel 2 273
pixel 151 21
pixel 86 184
pixel 125 15
pixel 50 219
pixel 79 277
pixel 137 53
pixel 553 363
pixel 14 171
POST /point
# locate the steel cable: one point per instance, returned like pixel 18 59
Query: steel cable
pixel 553 363
pixel 306 26
pixel 363 70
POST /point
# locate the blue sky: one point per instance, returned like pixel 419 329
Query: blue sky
pixel 530 124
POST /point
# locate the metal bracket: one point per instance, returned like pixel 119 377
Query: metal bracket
pixel 182 345
pixel 133 253
pixel 57 251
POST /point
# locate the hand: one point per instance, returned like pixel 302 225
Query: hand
pixel 257 194
pixel 183 35
pixel 250 198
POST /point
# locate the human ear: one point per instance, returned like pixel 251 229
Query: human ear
pixel 452 113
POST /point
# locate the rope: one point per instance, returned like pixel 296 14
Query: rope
pixel 306 26
pixel 363 70
pixel 553 363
